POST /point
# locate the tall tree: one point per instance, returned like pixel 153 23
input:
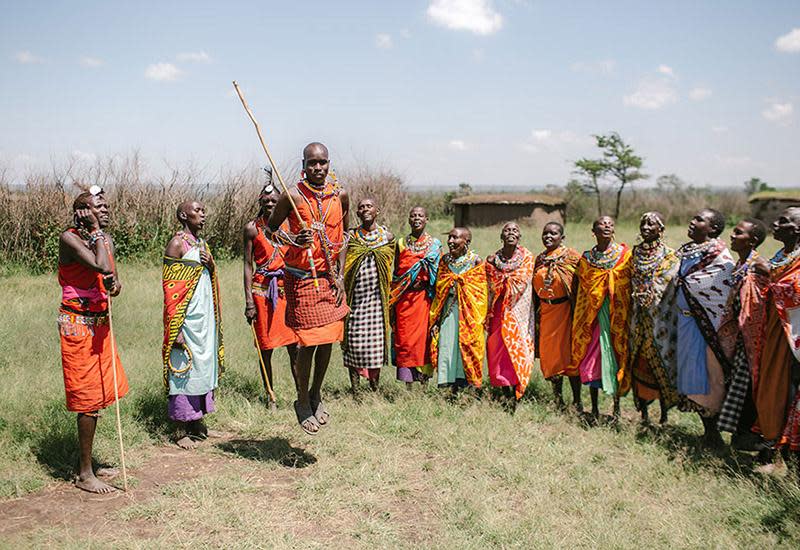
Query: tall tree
pixel 591 172
pixel 621 162
pixel 755 185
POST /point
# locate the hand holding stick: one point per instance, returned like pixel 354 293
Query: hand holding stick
pixel 280 179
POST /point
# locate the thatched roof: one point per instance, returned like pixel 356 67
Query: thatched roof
pixel 511 198
pixel 792 195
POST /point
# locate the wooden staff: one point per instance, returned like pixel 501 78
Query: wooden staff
pixel 261 362
pixel 116 396
pixel 280 180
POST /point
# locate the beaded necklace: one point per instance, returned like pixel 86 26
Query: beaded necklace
pixel 191 240
pixel 421 245
pixel 605 259
pixel 648 256
pixel 693 250
pixel 549 261
pixel 781 259
pixel 318 225
pixel 510 264
pixel 373 239
pixel 456 264
pixel 741 270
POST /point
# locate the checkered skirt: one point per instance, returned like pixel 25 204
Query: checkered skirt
pixel 365 330
pixel 737 392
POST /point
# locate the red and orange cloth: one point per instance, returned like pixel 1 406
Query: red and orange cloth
pixel 554 290
pixel 510 340
pixel 312 312
pixel 268 291
pixel 87 356
pixel 417 266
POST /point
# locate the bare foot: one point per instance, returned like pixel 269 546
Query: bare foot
pixel 91 484
pixel 186 442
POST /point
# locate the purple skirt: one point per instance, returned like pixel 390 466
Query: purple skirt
pixel 409 374
pixel 188 408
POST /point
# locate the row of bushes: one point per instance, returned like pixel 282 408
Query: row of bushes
pixel 143 205
pixel 33 215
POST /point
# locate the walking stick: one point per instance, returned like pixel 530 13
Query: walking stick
pixel 116 397
pixel 263 367
pixel 280 180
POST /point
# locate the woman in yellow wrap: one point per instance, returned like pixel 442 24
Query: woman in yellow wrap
pixel 600 330
pixel 458 313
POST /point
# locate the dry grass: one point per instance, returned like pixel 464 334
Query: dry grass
pixel 143 206
pixel 395 470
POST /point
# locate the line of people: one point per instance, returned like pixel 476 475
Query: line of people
pixel 693 327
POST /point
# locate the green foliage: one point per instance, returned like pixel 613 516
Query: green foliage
pixel 755 185
pixel 619 167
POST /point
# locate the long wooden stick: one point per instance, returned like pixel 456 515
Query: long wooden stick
pixel 266 150
pixel 116 397
pixel 280 180
pixel 261 362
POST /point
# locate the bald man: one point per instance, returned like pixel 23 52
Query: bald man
pixel 192 352
pixel 314 284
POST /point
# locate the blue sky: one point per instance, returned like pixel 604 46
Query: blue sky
pixel 493 92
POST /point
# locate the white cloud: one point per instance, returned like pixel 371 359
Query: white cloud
pixel 194 57
pixel 602 67
pixel 542 140
pixel 163 72
pixel 477 16
pixel 721 129
pixel 91 62
pixel 666 70
pixel 778 112
pixel 699 94
pixel 457 145
pixel 383 41
pixel 27 58
pixel 789 42
pixel 652 94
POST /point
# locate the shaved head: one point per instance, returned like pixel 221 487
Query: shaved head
pixel 315 147
pixel 464 231
pixel 184 208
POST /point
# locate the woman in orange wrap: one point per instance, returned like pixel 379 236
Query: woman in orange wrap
pixel 411 295
pixel 554 286
pixel 87 275
pixel 265 299
pixel 776 383
pixel 509 344
pixel 600 328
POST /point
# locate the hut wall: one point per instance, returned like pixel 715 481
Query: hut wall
pixel 490 214
pixel 768 210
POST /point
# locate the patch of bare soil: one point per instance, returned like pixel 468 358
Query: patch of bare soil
pixel 64 504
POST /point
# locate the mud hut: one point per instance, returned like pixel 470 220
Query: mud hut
pixel 535 209
pixel 768 205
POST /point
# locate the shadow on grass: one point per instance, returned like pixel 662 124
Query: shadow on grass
pixel 150 410
pixel 688 448
pixel 274 449
pixel 54 442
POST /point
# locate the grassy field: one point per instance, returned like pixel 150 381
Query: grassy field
pixel 396 469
